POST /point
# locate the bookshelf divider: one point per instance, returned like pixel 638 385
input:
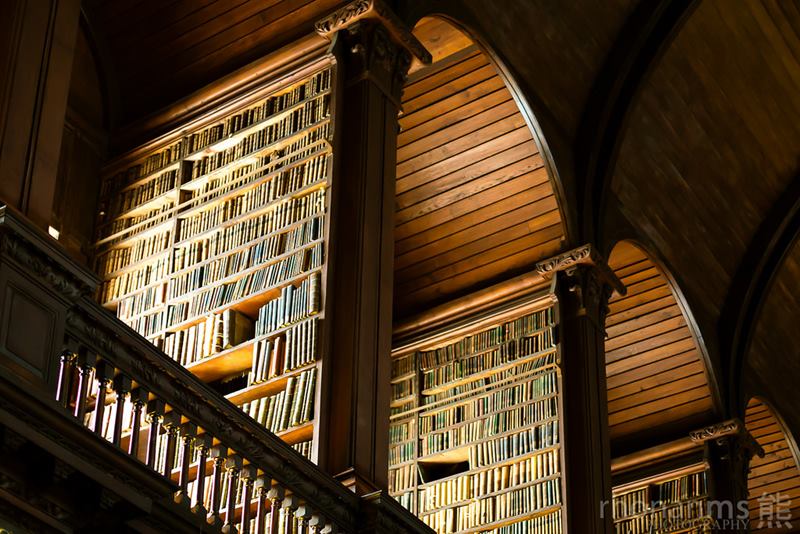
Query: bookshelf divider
pixel 212 243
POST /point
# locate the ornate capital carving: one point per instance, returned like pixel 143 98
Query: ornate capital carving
pixel 717 430
pixel 583 255
pixel 370 52
pixel 375 9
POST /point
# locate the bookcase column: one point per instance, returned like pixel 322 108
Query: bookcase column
pixel 373 55
pixel 729 449
pixel 583 285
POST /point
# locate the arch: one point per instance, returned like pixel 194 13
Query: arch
pixel 777 473
pixel 659 382
pixel 477 197
pixel 646 34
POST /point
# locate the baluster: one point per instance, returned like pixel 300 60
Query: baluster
pixel 66 368
pixel 188 432
pixel 155 416
pixel 289 507
pixel 262 486
pixel 233 465
pixel 218 454
pixel 304 514
pixel 329 528
pixel 248 475
pixel 85 368
pixel 316 523
pixel 122 386
pixel 139 399
pixel 103 374
pixel 203 443
pixel 172 422
pixel 275 496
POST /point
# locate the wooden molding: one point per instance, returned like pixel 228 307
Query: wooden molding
pixel 583 255
pixel 344 17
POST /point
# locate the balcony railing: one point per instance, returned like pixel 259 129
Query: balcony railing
pixel 222 470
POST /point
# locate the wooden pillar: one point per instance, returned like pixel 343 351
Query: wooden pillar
pixel 729 449
pixel 373 56
pixel 37 42
pixel 583 285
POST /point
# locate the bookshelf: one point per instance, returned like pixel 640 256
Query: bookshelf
pixel 672 502
pixel 475 434
pixel 212 244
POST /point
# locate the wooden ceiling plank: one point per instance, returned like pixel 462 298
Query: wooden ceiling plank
pixel 528 213
pixel 638 311
pixel 454 116
pixel 447 88
pixel 650 343
pixel 423 82
pixel 632 369
pixel 656 413
pixel 654 316
pixel 642 384
pixel 480 178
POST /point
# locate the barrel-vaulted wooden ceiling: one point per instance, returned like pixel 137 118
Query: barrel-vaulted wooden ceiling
pixel 673 123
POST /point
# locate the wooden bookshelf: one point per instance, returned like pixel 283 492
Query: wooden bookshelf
pixel 675 501
pixel 212 244
pixel 475 434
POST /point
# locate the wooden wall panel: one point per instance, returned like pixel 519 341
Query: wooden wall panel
pixel 474 200
pixel 656 378
pixel 776 474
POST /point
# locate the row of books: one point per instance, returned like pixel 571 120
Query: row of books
pixel 141 302
pixel 507 447
pixel 304 448
pixel 406 500
pixel 524 368
pixel 130 281
pixel 308 116
pixel 216 333
pixel 544 524
pixel 475 484
pixel 404 365
pixel 509 352
pixel 488 426
pixel 226 238
pixel 151 164
pixel 679 517
pixel 119 258
pixel 401 431
pixel 685 487
pixel 272 105
pixel 141 222
pixel 312 172
pixel 129 199
pixel 147 325
pixel 403 389
pixel 518 502
pixel 291 407
pixel 486 339
pixel 402 453
pixel 294 304
pixel 294 349
pixel 263 251
pixel 472 407
pixel 280 272
pixel 402 478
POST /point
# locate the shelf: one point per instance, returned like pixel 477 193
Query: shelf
pixel 304 432
pixel 157 201
pixel 118 238
pixel 135 265
pixel 234 359
pixel 248 244
pixel 112 304
pixel 242 273
pixel 269 387
pixel 402 378
pixel 488 372
pixel 152 174
pixel 470 500
pixel 303 191
pixel 515 519
pixel 220 145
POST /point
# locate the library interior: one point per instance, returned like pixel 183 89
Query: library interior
pixel 399 266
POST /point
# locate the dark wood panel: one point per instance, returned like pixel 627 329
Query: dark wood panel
pixel 655 377
pixel 776 474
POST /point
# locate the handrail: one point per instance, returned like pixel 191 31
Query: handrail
pixel 130 393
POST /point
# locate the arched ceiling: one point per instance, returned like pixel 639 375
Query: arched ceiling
pixel 776 474
pixel 474 202
pixel 658 387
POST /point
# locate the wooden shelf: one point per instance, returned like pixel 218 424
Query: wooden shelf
pixel 236 137
pixel 488 372
pixel 148 205
pixel 515 519
pixel 118 240
pixel 269 387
